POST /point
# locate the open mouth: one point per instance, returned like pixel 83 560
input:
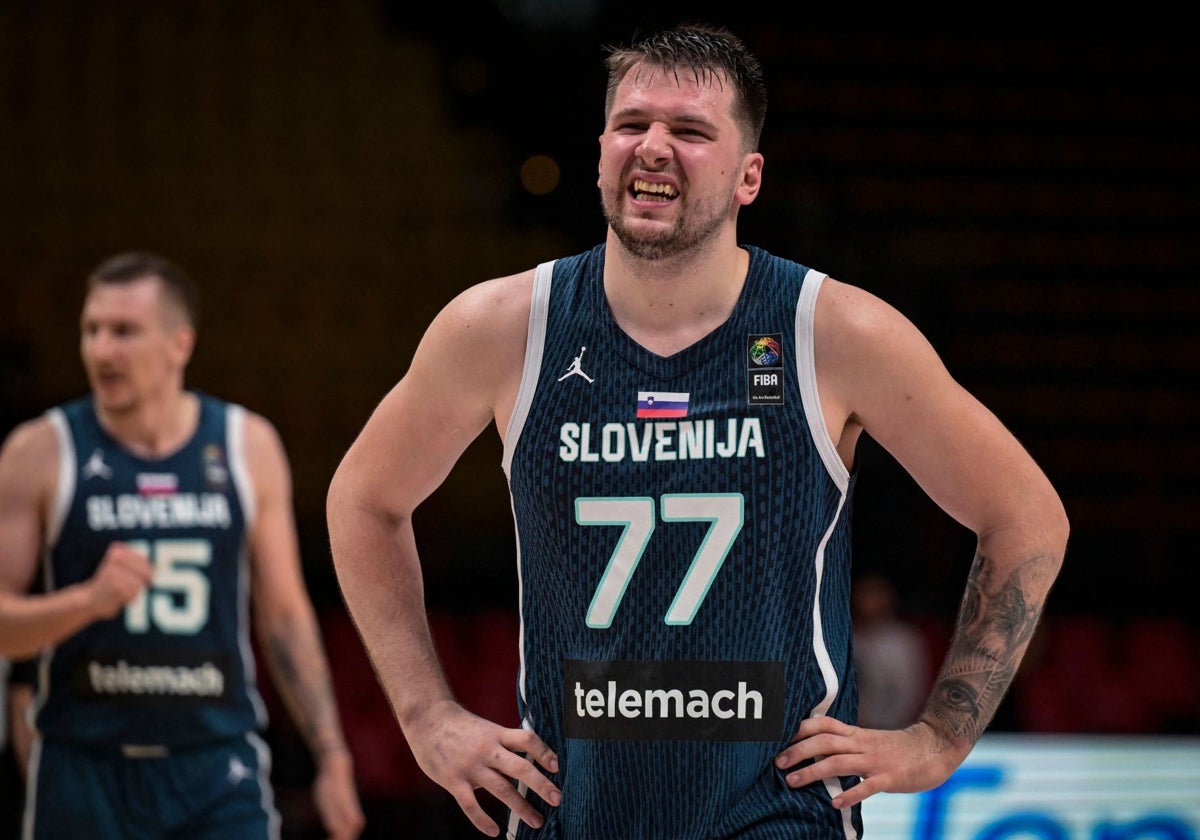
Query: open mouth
pixel 647 191
pixel 107 377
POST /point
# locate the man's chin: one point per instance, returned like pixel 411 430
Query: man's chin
pixel 112 401
pixel 645 238
pixel 650 247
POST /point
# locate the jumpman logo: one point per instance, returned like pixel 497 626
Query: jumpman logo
pixel 237 770
pixel 576 368
pixel 95 466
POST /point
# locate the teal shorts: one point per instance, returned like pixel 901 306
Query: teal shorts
pixel 210 792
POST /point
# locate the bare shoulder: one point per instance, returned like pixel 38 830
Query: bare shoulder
pixel 266 459
pixel 261 432
pixel 855 327
pixel 871 360
pixel 851 312
pixel 495 310
pixel 484 329
pixel 29 457
pixel 31 448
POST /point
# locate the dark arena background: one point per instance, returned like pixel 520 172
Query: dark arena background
pixel 332 174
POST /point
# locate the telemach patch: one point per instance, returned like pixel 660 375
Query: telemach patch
pixel 154 677
pixel 673 700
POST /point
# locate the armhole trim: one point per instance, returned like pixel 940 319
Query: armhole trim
pixel 235 442
pixel 65 486
pixel 535 343
pixel 806 371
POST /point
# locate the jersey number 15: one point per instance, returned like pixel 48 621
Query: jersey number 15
pixel 177 601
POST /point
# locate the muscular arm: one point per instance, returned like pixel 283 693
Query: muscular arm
pixel 288 631
pixel 878 374
pixel 973 468
pixel 464 375
pixel 407 448
pixel 28 623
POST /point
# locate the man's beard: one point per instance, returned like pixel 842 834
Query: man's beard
pixel 679 239
pixel 122 404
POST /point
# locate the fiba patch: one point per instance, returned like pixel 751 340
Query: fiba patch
pixel 764 368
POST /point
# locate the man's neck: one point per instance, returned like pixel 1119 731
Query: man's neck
pixel 155 428
pixel 669 304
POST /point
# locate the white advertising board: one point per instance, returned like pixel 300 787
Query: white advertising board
pixel 1041 787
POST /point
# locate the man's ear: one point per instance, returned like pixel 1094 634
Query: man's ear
pixel 183 343
pixel 752 167
pixel 600 161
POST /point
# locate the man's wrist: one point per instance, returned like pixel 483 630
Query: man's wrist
pixel 325 747
pixel 332 754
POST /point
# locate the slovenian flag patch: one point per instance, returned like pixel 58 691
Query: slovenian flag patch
pixel 157 484
pixel 662 404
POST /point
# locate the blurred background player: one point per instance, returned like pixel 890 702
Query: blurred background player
pixel 890 656
pixel 163 514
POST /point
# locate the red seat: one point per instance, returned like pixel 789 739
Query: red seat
pixel 383 763
pixel 478 651
pixel 1162 656
pixel 491 687
pixel 1068 668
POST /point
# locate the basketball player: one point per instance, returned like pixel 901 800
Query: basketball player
pixel 158 512
pixel 682 511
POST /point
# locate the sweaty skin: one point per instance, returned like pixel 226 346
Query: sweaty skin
pixel 675 168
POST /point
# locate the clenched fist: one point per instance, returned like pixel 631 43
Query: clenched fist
pixel 123 574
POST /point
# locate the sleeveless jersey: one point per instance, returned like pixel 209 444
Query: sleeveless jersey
pixel 683 548
pixel 175 666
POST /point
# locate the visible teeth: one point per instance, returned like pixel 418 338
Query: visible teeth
pixel 655 189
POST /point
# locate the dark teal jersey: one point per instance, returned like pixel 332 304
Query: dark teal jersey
pixel 684 563
pixel 175 666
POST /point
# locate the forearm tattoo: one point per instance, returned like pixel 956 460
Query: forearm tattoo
pixel 995 623
pixel 306 688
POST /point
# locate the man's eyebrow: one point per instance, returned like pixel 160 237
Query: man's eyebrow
pixel 642 113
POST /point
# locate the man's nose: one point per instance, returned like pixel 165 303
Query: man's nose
pixel 655 145
pixel 99 343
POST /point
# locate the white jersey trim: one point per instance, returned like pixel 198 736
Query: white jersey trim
pixel 821 653
pixel 67 468
pixel 235 436
pixel 539 306
pixel 806 372
pixel 235 444
pixel 64 494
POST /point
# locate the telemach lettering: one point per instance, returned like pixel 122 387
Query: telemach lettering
pixel 668 700
pixel 205 680
pixel 668 703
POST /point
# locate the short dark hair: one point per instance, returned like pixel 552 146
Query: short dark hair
pixel 708 51
pixel 135 265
